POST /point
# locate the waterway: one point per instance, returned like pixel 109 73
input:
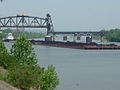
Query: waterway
pixel 82 69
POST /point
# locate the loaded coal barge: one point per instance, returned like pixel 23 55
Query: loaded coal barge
pixel 74 45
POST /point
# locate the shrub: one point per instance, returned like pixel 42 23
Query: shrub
pixel 23 51
pixel 3 74
pixel 7 61
pixel 3 49
pixel 23 71
pixel 25 77
pixel 49 79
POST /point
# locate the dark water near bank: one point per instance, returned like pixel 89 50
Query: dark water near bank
pixel 82 69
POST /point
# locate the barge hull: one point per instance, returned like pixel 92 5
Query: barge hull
pixel 87 46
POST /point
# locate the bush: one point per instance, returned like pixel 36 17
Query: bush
pixel 23 51
pixel 3 49
pixel 25 77
pixel 3 74
pixel 22 69
pixel 7 61
pixel 49 79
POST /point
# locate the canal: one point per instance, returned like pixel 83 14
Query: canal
pixel 82 69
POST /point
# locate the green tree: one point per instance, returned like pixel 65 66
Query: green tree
pixel 3 49
pixel 3 74
pixel 49 79
pixel 113 35
pixel 7 61
pixel 25 77
pixel 23 51
pixel 23 71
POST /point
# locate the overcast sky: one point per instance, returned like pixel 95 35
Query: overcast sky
pixel 69 15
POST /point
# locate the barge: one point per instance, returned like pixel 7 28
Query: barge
pixel 74 45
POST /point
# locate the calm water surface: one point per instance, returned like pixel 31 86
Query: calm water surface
pixel 82 69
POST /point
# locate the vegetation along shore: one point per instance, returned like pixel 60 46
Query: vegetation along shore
pixel 21 70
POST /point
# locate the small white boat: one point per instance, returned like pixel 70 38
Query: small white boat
pixel 10 36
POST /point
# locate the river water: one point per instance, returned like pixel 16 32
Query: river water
pixel 82 69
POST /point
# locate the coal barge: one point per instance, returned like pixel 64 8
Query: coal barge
pixel 74 45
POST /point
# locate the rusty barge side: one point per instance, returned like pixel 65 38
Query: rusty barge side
pixel 89 46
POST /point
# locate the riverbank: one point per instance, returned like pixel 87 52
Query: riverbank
pixel 6 86
pixel 3 84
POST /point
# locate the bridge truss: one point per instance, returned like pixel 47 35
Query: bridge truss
pixel 22 21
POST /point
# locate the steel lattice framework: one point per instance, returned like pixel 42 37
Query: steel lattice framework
pixel 22 21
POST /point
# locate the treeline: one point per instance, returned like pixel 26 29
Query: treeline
pixel 113 35
pixel 27 35
pixel 19 68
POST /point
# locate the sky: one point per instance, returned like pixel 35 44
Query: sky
pixel 69 15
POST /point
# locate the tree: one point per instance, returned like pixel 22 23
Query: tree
pixel 23 51
pixel 3 73
pixel 23 71
pixel 3 49
pixel 49 79
pixel 25 77
pixel 7 61
pixel 113 35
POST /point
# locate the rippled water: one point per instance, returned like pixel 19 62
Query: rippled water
pixel 82 69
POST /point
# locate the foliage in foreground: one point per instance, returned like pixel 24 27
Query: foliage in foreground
pixel 49 79
pixel 22 68
pixel 3 49
pixel 7 61
pixel 23 51
pixel 25 77
pixel 3 74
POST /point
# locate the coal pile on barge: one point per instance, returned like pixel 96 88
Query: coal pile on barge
pixel 76 45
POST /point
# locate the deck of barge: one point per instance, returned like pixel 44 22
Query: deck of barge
pixel 76 45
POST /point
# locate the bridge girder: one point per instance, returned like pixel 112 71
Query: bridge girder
pixel 21 21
